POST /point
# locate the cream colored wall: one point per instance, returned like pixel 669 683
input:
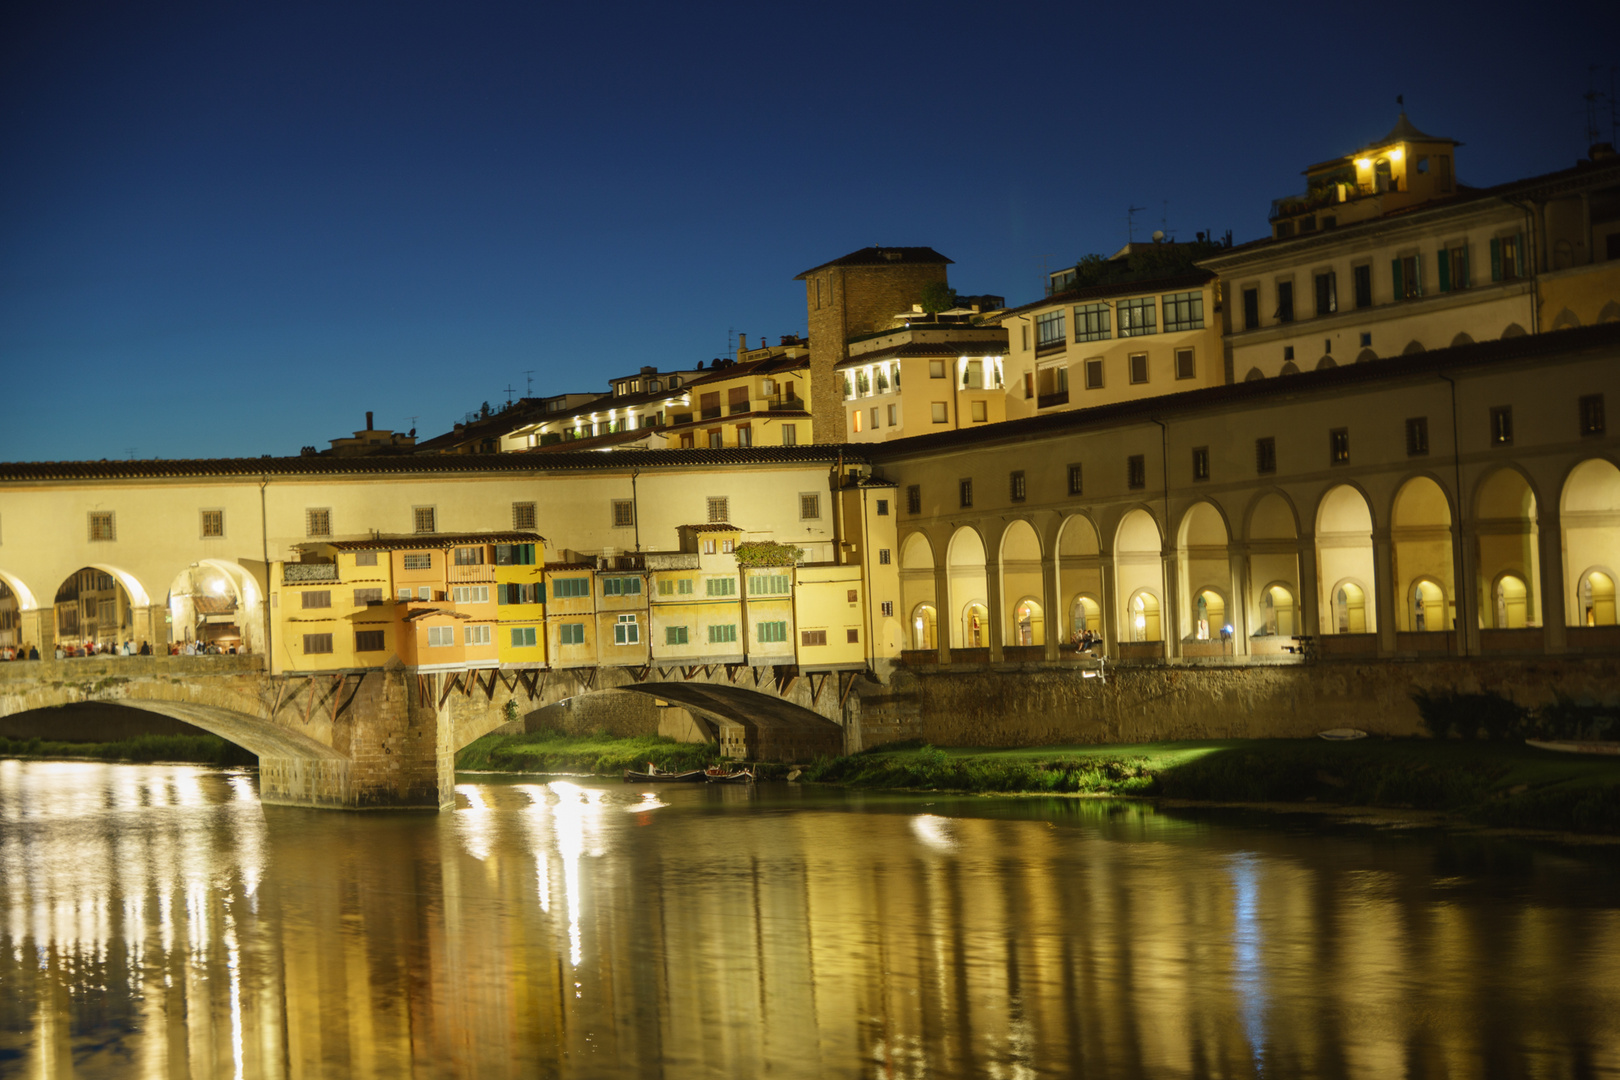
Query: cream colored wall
pixel 822 603
pixel 1589 293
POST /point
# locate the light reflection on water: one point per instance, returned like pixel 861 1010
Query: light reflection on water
pixel 158 922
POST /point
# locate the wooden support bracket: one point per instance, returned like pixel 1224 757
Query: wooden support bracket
pixel 816 688
pixel 468 678
pixel 359 678
pixel 280 690
pixel 450 683
pixel 688 672
pixel 844 696
pixel 309 703
pixel 731 672
pixel 511 687
pixel 489 686
pixel 784 689
pixel 338 682
pixel 590 680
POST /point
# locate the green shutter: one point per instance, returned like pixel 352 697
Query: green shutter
pixel 1417 275
pixel 1496 259
pixel 1444 263
pixel 1395 271
pixel 1518 253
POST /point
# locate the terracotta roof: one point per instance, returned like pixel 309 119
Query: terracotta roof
pixel 419 541
pixel 1388 369
pixel 213 605
pixel 570 566
pixel 882 256
pixel 428 465
pixel 766 366
pixel 423 613
pixel 595 442
pixel 713 526
pixel 952 349
pixel 1179 282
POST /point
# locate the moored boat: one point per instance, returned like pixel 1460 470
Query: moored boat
pixel 719 776
pixel 1569 746
pixel 654 775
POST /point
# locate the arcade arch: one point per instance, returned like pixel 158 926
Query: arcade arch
pixel 1273 563
pixel 1080 576
pixel 917 586
pixel 1507 551
pixel 1420 529
pixel 965 569
pixel 94 610
pixel 924 627
pixel 1589 510
pixel 1022 585
pixel 216 604
pixel 1205 572
pixel 1139 570
pixel 1344 560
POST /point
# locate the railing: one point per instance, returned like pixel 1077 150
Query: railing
pixel 711 413
pixel 740 407
pixel 301 573
pixel 1052 347
pixel 464 574
pixel 1046 401
pixel 785 404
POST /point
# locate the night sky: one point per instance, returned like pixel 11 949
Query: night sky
pixel 231 229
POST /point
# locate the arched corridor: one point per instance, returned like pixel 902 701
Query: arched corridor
pixel 1507 552
pixel 917 586
pixel 1420 530
pixel 1022 585
pixel 1590 513
pixel 965 565
pixel 1344 559
pixel 1139 570
pixel 1273 575
pixel 1080 577
pixel 1205 573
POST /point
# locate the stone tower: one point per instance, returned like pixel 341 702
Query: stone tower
pixel 858 294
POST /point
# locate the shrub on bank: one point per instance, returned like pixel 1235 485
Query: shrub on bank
pixel 599 752
pixel 199 749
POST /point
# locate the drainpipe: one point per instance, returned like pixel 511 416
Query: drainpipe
pixel 838 511
pixel 1172 590
pixel 264 550
pixel 1463 589
pixel 635 508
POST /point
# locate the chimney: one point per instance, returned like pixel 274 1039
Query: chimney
pixel 368 421
pixel 742 344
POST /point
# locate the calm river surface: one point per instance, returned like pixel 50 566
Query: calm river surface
pixel 158 922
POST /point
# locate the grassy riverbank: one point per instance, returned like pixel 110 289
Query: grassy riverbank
pixel 1493 783
pixel 200 749
pixel 549 751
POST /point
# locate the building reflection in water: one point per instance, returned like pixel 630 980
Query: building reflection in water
pixel 159 923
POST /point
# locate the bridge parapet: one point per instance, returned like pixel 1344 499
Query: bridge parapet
pixel 97 668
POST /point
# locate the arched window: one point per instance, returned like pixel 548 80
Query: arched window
pixel 1028 622
pixel 924 627
pixel 1350 609
pixel 1511 605
pixel 976 622
pixel 1597 599
pixel 1144 610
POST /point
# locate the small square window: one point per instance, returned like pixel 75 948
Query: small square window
pixel 1366 339
pixel 1339 446
pixel 936 369
pixel 852 636
pixel 883 556
pixel 523 516
pixel 1185 367
pixel 894 415
pixel 887 608
pixel 1074 480
pixel 1139 368
pixel 213 523
pixel 940 414
pixel 1417 436
pixel 883 508
pixel 1288 352
pixel 1094 374
pixel 965 491
pixel 102 525
pixel 1502 425
pixel 719 509
pixel 1200 463
pixel 852 595
pixel 981 412
pixel 1592 422
pixel 318 522
pixel 809 506
pixel 624 513
pixel 1265 455
pixel 424 519
pixel 1136 471
pixel 365 558
pixel 1017 486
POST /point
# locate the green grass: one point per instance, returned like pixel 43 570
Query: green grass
pixel 203 749
pixel 548 751
pixel 1495 783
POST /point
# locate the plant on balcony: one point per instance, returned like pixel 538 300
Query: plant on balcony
pixel 768 553
pixel 937 297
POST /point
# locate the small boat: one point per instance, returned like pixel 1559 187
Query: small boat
pixel 1341 734
pixel 653 775
pixel 1569 747
pixel 719 776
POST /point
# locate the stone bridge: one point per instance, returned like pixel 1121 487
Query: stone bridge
pixel 388 738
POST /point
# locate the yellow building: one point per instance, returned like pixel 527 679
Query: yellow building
pixel 571 631
pixel 922 377
pixel 761 400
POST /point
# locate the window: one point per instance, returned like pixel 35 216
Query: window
pixel 852 636
pixel 940 415
pixel 857 420
pixel 1074 480
pixel 936 369
pixel 790 435
pixel 1251 309
pixel 1092 322
pixel 213 523
pixel 809 506
pixel 424 519
pixel 728 545
pixel 1186 367
pixel 887 608
pixel 1024 336
pixel 1094 374
pixel 883 508
pixel 1183 311
pixel 914 499
pixel 1327 294
pixel 365 558
pixel 523 516
pixel 514 554
pixel 883 557
pixel 1288 352
pixel 317 644
pixel 405 594
pixel 666 587
pixel 102 526
pixel 627 631
pixel 723 634
pixel 720 586
pixel 1408 275
pixel 1507 258
pixel 1139 368
pixel 621 586
pixel 1136 471
pixel 719 509
pixel 418 562
pixel 424 593
pixel 318 522
pixel 1453 268
pixel 675 635
pixel 1363 285
pixel 624 513
pixel 1265 455
pixel 745 434
pixel 684 587
pixel 1502 425
pixel 524 637
pixel 1029 384
pixel 1049 331
pixel 520 593
pixel 1200 463
pixel 570 587
pixel 1017 486
pixel 469 556
pixel 1285 302
pixel 894 415
pixel 1592 414
pixel 370 641
pixel 441 637
pixel 1366 339
pixel 1138 317
pixel 362 597
pixel 773 632
pixel 854 596
pixel 317 598
pixel 571 633
pixel 475 635
pixel 1339 446
pixel 964 490
pixel 981 411
pixel 716 439
pixel 1417 436
pixel 469 594
pixel 710 547
pixel 768 584
pixel 812 637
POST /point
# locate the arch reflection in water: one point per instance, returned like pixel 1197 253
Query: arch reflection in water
pixel 562 929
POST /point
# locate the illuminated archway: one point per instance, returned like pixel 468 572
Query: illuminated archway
pixel 1080 575
pixel 1344 555
pixel 94 611
pixel 1139 570
pixel 1426 606
pixel 924 627
pixel 1205 571
pixel 1085 614
pixel 917 586
pixel 965 565
pixel 1278 617
pixel 1507 547
pixel 1510 599
pixel 1590 515
pixel 1143 617
pixel 1420 528
pixel 1273 563
pixel 1022 577
pixel 1350 609
pixel 975 625
pixel 1596 595
pixel 1029 623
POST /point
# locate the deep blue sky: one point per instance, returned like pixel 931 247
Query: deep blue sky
pixel 231 229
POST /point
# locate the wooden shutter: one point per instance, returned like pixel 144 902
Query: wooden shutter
pixel 1444 262
pixel 1496 259
pixel 1518 254
pixel 1395 269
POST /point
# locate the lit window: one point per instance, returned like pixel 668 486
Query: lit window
pixel 1183 311
pixel 1138 317
pixel 1092 322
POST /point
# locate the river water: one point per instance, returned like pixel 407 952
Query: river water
pixel 158 922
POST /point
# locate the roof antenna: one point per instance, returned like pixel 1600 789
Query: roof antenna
pixel 529 386
pixel 509 395
pixel 1130 222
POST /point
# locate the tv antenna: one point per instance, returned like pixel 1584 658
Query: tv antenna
pixel 1594 108
pixel 529 385
pixel 1046 273
pixel 130 451
pixel 509 393
pixel 1130 222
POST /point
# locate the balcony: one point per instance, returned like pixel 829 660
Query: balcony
pixel 740 407
pixel 307 573
pixel 462 575
pixel 786 404
pixel 712 413
pixel 1051 348
pixel 1046 401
